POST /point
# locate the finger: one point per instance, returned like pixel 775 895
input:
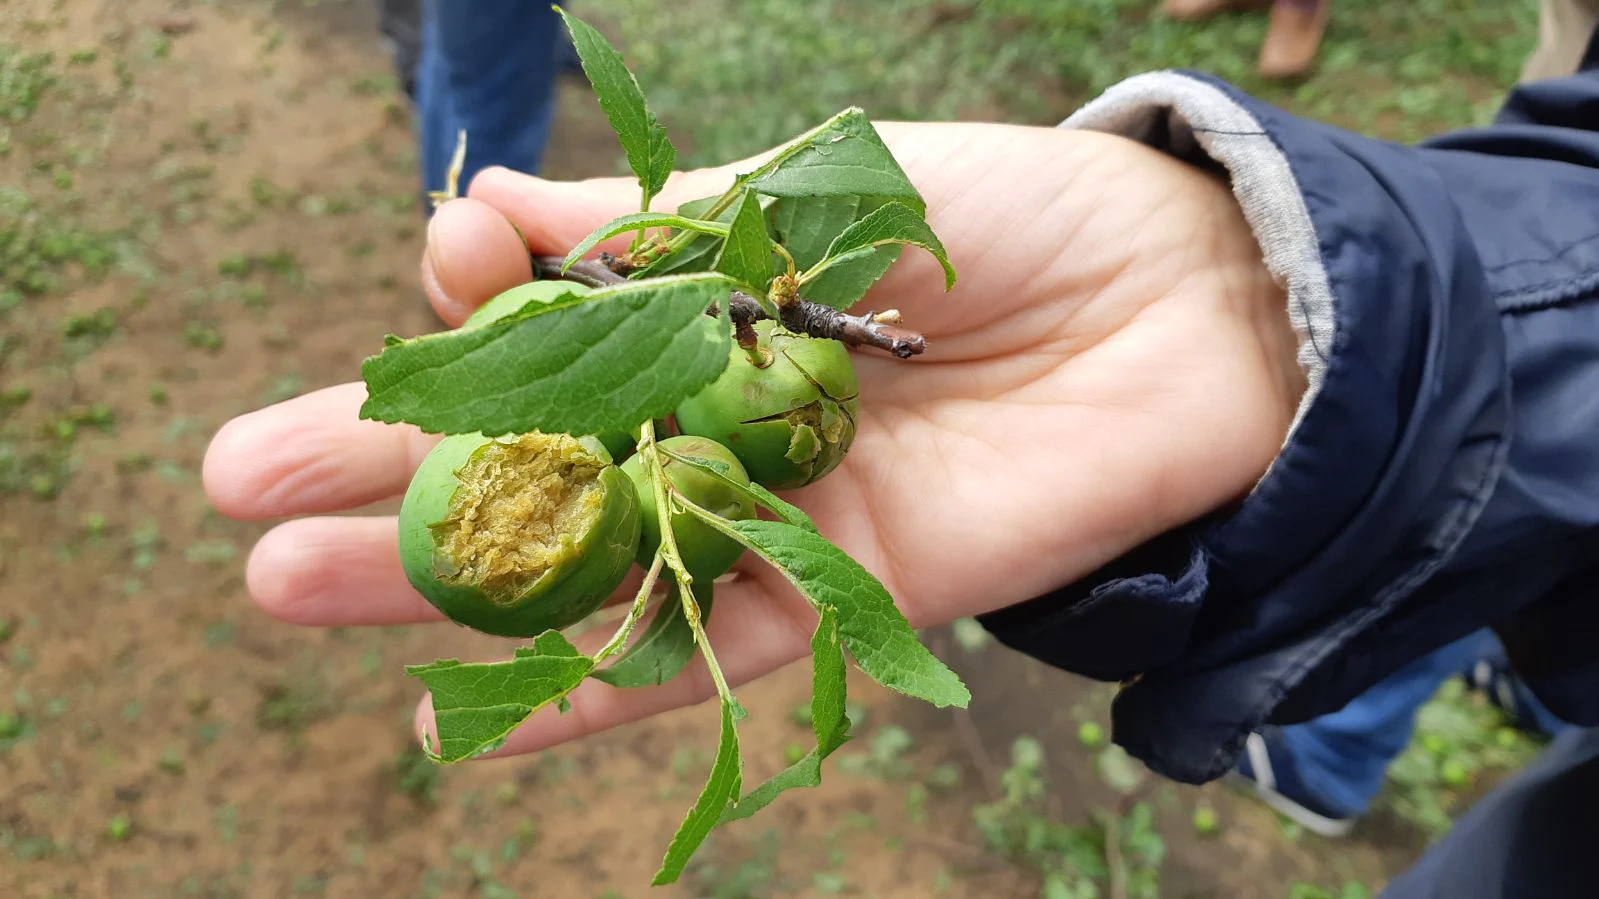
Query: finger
pixel 554 215
pixel 478 245
pixel 345 571
pixel 753 632
pixel 473 253
pixel 309 455
pixel 335 572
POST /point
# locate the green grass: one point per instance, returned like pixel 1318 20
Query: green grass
pixel 416 776
pixel 296 701
pixel 1120 849
pixel 39 247
pixel 1395 70
pixel 24 79
pixel 1460 744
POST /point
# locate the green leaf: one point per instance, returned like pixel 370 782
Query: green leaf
pixel 600 362
pixel 828 722
pixel 763 497
pixel 721 789
pixel 890 224
pixel 649 153
pixel 844 282
pixel 843 157
pixel 634 222
pixel 807 226
pixel 477 705
pixel 746 255
pixel 699 250
pixel 664 649
pixel 872 628
pixel 786 511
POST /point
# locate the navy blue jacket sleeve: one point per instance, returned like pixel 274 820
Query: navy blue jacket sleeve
pixel 1443 473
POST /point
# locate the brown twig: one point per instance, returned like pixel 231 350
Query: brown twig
pixel 588 272
pixel 621 265
pixel 817 320
pixel 800 316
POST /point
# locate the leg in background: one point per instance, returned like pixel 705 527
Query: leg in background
pixel 1293 38
pixel 491 72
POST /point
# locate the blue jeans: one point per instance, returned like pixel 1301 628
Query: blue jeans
pixel 1343 757
pixel 488 67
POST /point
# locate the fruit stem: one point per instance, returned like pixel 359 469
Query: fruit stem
pixel 750 342
pixel 650 457
pixel 619 639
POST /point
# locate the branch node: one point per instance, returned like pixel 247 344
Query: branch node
pixel 621 265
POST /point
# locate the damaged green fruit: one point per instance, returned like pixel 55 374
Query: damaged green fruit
pixel 790 422
pixel 518 535
pixel 706 552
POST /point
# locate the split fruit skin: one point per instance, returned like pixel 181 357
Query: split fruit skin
pixel 706 552
pixel 589 563
pixel 790 423
pixel 618 443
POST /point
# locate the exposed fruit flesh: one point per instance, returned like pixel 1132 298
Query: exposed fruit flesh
pixel 516 512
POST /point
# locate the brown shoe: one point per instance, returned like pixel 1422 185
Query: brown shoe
pixel 1293 38
pixel 1196 10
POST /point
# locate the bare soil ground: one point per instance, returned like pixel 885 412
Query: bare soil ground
pixel 251 168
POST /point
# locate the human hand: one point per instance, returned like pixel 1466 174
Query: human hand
pixel 1114 362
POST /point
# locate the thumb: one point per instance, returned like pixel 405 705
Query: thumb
pixel 472 255
pixel 554 215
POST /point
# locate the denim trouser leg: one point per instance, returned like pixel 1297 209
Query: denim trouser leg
pixel 1343 757
pixel 488 67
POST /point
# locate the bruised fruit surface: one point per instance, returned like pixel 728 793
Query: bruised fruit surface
pixel 706 552
pixel 518 535
pixel 789 423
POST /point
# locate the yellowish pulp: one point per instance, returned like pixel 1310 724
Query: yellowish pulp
pixel 521 509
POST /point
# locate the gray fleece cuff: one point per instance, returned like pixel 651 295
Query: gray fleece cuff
pixel 1187 117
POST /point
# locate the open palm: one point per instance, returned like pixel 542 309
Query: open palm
pixel 1114 361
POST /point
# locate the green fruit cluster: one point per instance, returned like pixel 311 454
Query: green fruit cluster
pixel 521 534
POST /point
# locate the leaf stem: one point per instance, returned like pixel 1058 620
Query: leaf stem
pixel 816 270
pixel 788 257
pixel 664 494
pixel 619 639
pixel 770 165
